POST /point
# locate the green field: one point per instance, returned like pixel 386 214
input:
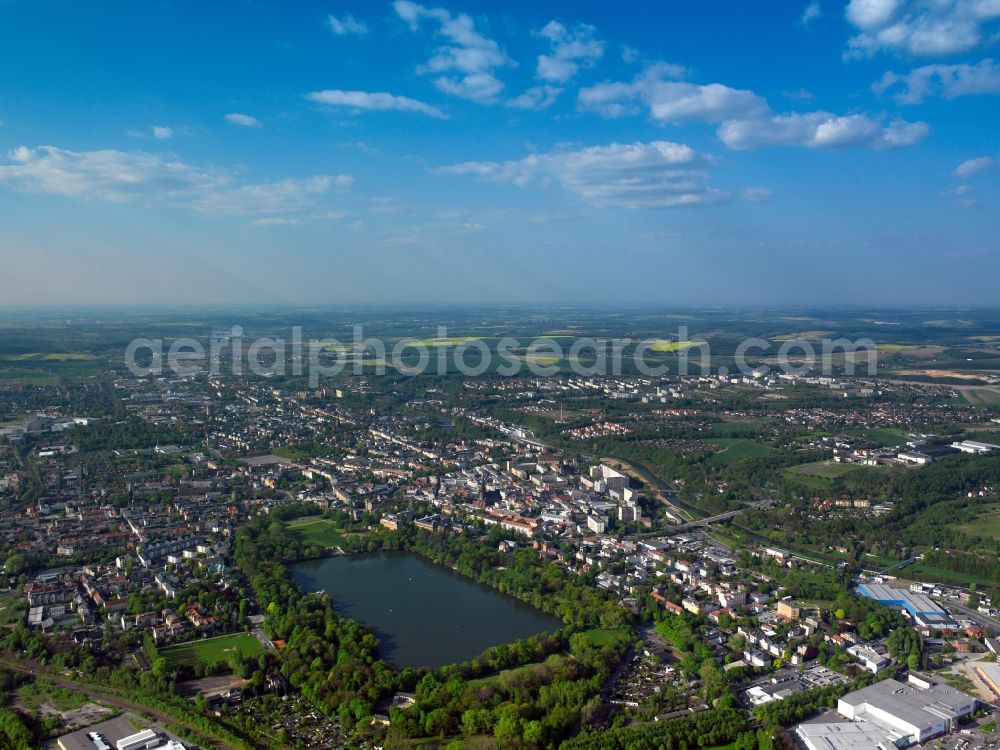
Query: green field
pixel 317 531
pixel 375 362
pixel 921 572
pixel 537 359
pixel 12 609
pixel 599 637
pixel 981 396
pixel 25 376
pixel 451 341
pixel 819 477
pixel 888 436
pixel 50 357
pixel 823 469
pixel 735 449
pixel 35 694
pixel 729 537
pixel 663 345
pixel 986 523
pixel 804 336
pixel 495 676
pixel 212 650
pixel 735 428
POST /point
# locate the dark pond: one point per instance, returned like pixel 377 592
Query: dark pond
pixel 424 614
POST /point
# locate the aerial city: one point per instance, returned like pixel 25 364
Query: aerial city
pixel 477 375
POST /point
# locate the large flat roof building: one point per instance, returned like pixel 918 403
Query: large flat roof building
pixel 974 446
pixel 916 711
pixel 143 740
pixel 118 732
pixel 921 609
pixel 847 735
pixel 989 673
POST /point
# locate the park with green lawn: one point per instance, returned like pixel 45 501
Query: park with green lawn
pixel 315 530
pixel 207 651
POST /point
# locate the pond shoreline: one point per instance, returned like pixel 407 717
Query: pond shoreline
pixel 423 613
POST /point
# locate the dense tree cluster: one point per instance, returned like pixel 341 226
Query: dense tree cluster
pixel 528 694
pixel 333 661
pixel 532 706
pixel 705 729
pixel 14 733
pixel 129 434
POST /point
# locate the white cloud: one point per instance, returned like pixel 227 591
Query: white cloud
pixel 271 197
pixel 246 121
pixel 747 120
pixel 867 14
pixel 411 12
pixel 361 146
pixel 483 88
pixel 922 28
pixel 959 191
pixel 117 176
pixel 679 102
pixel 276 221
pixel 537 98
pixel 821 130
pixel 160 132
pixel 373 100
pixel 799 95
pixel 971 167
pixel 554 70
pixel 135 176
pixel 811 12
pixel 571 49
pixel 346 24
pixel 947 81
pixel 670 100
pixel 609 99
pixel 464 67
pixel 962 196
pixel 659 174
pixel 756 194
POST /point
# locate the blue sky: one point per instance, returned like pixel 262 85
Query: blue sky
pixel 676 152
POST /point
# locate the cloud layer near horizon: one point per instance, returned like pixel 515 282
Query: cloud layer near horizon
pixel 136 176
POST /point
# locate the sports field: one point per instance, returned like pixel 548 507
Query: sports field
pixel 213 650
pixel 734 449
pixel 599 637
pixel 317 531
